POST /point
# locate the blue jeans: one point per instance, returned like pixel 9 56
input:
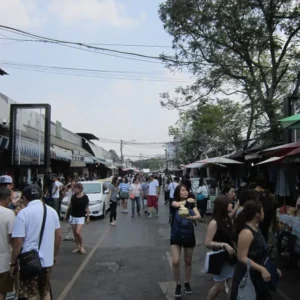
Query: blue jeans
pixel 137 201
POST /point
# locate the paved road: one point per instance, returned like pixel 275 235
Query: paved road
pixel 130 261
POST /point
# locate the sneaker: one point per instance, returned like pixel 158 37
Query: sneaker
pixel 178 291
pixel 187 288
pixel 132 216
pixel 149 216
pixel 113 224
pixel 157 214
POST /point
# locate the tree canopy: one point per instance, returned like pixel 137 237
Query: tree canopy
pixel 247 49
pixel 221 124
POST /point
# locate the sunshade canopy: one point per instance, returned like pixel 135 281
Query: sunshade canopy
pixel 292 122
pixel 280 150
pixel 220 160
pixel 271 160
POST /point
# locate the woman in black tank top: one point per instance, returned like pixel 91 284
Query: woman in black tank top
pixel 251 246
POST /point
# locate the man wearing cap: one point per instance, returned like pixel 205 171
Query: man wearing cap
pixel 7 182
pixel 26 235
pixel 6 227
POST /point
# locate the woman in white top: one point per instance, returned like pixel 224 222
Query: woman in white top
pixel 135 196
pixel 202 197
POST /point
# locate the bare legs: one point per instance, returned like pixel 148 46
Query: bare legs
pixel 176 251
pixel 188 254
pixel 77 230
pixel 218 288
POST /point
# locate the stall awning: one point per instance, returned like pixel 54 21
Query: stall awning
pixel 77 164
pixel 270 160
pixel 280 150
pixel 195 165
pixel 61 154
pixel 291 122
pixel 220 160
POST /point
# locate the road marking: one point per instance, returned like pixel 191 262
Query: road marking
pixel 82 267
pixel 282 294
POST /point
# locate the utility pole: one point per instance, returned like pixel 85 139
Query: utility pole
pixel 121 150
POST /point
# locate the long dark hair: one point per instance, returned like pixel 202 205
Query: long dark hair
pixel 247 195
pixel 226 188
pixel 220 212
pixel 114 181
pixel 250 209
pixel 177 192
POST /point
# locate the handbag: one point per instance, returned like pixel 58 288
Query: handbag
pixel 200 197
pixel 30 262
pixel 246 290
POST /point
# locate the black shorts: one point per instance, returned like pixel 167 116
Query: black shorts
pixel 187 244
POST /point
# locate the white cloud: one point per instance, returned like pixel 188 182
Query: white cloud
pixel 103 11
pixel 19 13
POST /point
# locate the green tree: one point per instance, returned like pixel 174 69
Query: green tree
pixel 221 124
pixel 248 48
pixel 153 164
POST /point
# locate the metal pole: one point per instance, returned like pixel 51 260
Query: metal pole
pixel 20 136
pixel 40 137
pixel 121 150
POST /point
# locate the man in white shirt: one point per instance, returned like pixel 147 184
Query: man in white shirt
pixel 153 195
pixel 55 193
pixel 172 187
pixel 26 236
pixel 6 226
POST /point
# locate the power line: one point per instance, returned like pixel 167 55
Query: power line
pixel 78 44
pixel 96 44
pixel 72 69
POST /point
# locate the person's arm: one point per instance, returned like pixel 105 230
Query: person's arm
pixel 157 190
pixel 244 242
pixel 210 234
pixel 57 240
pixel 176 204
pixel 68 208
pixel 87 210
pixel 196 216
pixel 109 192
pixel 234 211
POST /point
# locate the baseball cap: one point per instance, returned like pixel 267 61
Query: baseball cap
pixel 32 192
pixel 6 179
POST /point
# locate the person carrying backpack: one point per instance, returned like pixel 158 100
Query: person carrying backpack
pixel 184 213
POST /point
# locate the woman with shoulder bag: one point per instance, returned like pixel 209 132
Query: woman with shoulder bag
pixel 135 196
pixel 219 236
pixel 252 248
pixel 124 194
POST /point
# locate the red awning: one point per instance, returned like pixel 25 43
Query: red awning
pixel 280 150
pixel 293 152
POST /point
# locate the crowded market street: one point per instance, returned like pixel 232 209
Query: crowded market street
pixel 132 261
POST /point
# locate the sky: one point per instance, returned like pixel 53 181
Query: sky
pixel 110 108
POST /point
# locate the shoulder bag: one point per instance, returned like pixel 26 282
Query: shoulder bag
pixel 30 262
pixel 246 290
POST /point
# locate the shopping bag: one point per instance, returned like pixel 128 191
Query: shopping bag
pixel 214 262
